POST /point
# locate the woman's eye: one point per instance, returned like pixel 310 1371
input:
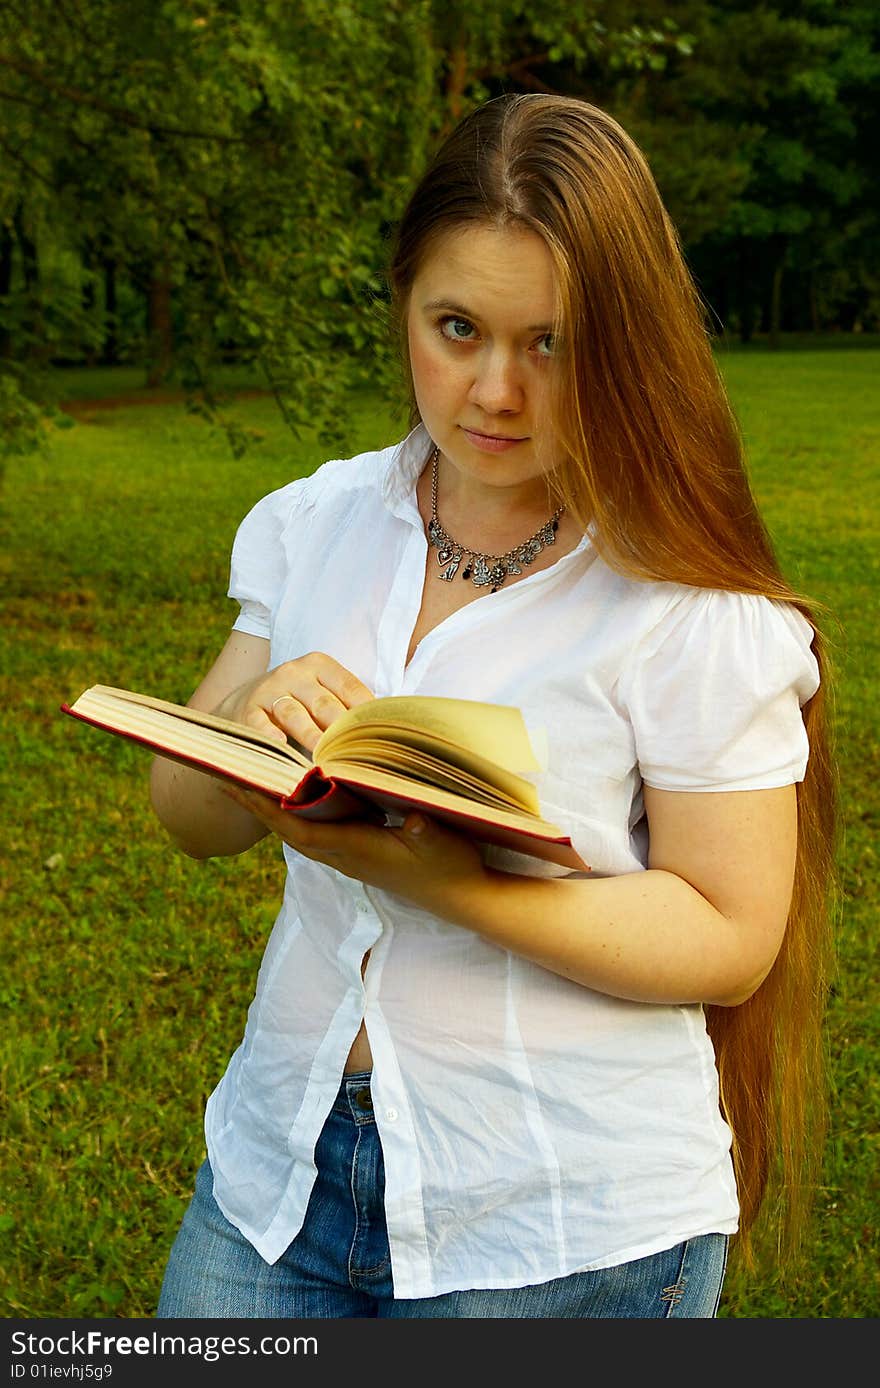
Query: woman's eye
pixel 547 345
pixel 457 329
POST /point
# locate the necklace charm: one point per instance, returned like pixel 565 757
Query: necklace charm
pixel 484 570
pixel 449 562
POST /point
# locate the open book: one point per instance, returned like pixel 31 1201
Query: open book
pixel 458 760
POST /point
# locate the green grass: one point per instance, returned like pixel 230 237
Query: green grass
pixel 127 969
pixel 102 382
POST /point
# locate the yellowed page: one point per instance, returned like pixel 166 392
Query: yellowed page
pixel 494 732
pixel 111 698
pixel 177 736
pixel 371 777
pixel 478 779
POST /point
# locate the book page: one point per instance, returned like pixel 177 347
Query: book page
pixel 471 775
pixel 368 778
pixel 268 767
pixel 105 696
pixel 493 732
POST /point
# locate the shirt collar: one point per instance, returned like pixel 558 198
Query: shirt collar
pixel 403 471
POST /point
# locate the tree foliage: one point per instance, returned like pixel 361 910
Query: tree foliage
pixel 237 161
pixel 194 179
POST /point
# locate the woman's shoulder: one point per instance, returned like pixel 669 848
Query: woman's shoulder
pixel 358 471
pixel 658 610
pixel 330 480
pixel 719 640
pixel 721 615
pixel 283 521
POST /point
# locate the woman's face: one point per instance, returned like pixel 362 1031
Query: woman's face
pixel 479 324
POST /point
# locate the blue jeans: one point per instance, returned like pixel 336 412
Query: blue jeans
pixel 339 1264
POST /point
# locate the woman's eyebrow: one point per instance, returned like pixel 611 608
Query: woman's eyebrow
pixel 448 306
pixel 434 304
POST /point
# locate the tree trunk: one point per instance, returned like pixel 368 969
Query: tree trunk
pixel 6 249
pixel 745 290
pixel 33 319
pixel 110 349
pixel 776 302
pixel 814 303
pixel 159 324
pixel 456 82
pixel 719 307
pixel 89 300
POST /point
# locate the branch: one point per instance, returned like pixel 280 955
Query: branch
pixel 25 163
pixel 107 108
pixel 526 79
pixel 22 100
pixel 457 78
pixel 519 70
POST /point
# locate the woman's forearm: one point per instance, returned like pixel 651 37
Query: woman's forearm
pixel 646 936
pixel 308 693
pixel 200 817
pixel 703 923
pixel 193 807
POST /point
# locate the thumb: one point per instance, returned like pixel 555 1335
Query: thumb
pixel 416 825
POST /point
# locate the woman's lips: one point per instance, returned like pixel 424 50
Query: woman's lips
pixel 490 443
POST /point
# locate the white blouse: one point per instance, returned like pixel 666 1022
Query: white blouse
pixel 531 1127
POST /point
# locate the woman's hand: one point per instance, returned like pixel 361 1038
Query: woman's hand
pixel 421 861
pixel 298 699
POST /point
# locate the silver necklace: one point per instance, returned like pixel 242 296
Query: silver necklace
pixel 484 570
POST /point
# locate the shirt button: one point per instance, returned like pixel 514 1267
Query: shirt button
pixel 391 1114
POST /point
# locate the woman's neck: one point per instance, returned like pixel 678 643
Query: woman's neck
pixel 493 519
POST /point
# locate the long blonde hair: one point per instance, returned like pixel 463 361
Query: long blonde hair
pixel 653 458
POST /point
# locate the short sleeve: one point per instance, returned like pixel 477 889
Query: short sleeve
pixel 258 565
pixel 715 690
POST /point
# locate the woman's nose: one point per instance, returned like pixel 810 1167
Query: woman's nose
pixel 497 386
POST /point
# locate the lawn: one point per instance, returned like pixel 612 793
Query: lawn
pixel 127 968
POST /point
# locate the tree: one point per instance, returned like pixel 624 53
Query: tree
pixel 760 124
pixel 242 162
pixel 237 165
pixel 764 145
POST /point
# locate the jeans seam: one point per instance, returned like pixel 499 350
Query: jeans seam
pixel 721 1278
pixel 353 1272
pixel 673 1294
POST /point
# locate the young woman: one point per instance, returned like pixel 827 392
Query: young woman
pixel 473 1084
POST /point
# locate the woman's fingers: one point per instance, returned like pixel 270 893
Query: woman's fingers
pixel 296 720
pixel 324 676
pixel 256 717
pixel 314 691
pixel 296 700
